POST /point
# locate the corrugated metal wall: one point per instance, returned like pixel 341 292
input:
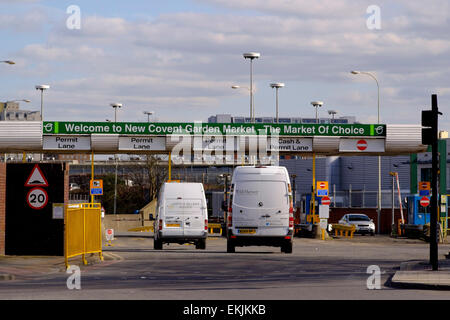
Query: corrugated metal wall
pixel 358 171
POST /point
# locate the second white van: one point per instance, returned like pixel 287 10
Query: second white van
pixel 181 215
pixel 260 210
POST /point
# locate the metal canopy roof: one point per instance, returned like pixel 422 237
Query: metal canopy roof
pixel 156 137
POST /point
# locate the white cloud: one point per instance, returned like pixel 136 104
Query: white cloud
pixel 189 60
pixel 30 21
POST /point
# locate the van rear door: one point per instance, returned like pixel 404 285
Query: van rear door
pixel 194 217
pixel 261 204
pixel 174 217
pixel 185 217
pixel 273 204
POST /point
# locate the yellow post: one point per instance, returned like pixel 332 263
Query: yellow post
pixel 92 173
pixel 84 236
pixel 313 195
pixel 170 165
pixel 66 241
pixel 24 157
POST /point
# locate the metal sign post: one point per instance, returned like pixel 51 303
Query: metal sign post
pixel 430 137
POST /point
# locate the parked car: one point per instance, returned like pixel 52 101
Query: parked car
pixel 181 215
pixel 260 211
pixel 364 225
pixel 74 186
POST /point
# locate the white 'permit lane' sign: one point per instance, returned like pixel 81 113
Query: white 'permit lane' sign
pixel 142 143
pixel 66 143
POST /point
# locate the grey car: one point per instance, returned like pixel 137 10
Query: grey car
pixel 364 225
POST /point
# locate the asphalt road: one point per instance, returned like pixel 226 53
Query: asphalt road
pixel 332 269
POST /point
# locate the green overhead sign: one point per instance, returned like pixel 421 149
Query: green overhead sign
pixel 182 128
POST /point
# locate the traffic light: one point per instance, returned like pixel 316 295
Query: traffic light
pixel 430 122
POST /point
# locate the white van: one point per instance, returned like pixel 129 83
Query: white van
pixel 260 209
pixel 181 215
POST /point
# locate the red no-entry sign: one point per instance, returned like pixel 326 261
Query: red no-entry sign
pixel 326 201
pixel 424 201
pixel 361 145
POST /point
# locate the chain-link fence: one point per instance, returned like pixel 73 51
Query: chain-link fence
pixel 362 199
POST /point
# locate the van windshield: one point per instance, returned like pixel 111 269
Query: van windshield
pixel 270 193
pixel 183 205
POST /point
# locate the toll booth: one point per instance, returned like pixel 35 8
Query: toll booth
pixel 308 209
pixel 419 216
pixel 305 224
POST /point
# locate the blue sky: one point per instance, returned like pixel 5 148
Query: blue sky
pixel 180 58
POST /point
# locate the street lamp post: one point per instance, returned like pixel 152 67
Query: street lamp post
pixel 42 88
pixel 379 157
pixel 148 113
pixel 332 113
pixel 277 86
pixel 251 56
pixel 115 106
pixel 317 104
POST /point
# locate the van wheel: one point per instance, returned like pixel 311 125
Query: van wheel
pixel 287 247
pixel 157 244
pixel 230 247
pixel 201 244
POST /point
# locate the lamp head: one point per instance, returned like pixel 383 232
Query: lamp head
pixel 251 55
pixel 277 85
pixel 317 103
pixel 355 72
pixel 116 105
pixel 42 87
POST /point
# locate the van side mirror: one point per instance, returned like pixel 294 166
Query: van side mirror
pixel 151 218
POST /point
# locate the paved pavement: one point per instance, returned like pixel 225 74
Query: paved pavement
pixel 316 269
pixel 419 275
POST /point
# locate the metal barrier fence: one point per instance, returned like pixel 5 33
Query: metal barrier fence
pixel 215 229
pixel 82 232
pixel 344 230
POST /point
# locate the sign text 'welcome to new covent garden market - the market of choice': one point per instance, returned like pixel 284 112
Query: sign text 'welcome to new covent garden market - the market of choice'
pixel 136 136
pixel 167 128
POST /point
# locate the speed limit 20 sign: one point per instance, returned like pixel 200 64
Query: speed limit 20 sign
pixel 37 198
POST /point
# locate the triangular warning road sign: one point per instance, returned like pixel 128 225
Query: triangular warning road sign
pixel 36 178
